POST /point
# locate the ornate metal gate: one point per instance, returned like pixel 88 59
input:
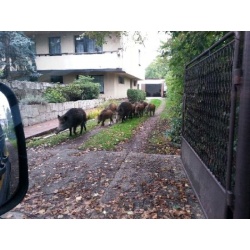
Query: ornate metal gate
pixel 211 114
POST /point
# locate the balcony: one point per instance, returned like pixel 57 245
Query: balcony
pixel 73 61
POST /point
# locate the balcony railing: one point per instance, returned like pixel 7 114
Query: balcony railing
pixel 80 53
pixel 78 61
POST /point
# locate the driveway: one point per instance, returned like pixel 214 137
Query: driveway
pixel 126 183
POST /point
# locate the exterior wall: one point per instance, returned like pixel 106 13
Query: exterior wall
pixel 143 87
pixel 108 60
pixel 34 114
pixel 119 54
pixel 132 57
pixel 67 41
pixel 109 86
pixel 42 44
pixel 112 44
pixel 121 88
pixel 143 84
pixel 112 88
pixel 66 78
pixel 69 78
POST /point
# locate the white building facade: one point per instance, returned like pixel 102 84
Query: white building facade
pixel 63 56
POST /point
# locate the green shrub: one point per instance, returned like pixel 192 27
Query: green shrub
pixel 136 95
pixel 81 89
pixel 174 133
pixel 54 95
pixel 90 91
pixel 87 88
pixel 72 92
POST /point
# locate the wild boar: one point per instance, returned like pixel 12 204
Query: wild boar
pixel 113 107
pixel 71 119
pixel 133 110
pixel 105 114
pixel 124 111
pixel 150 108
pixel 139 108
pixel 144 104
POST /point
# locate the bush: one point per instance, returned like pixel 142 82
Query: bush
pixel 90 91
pixel 54 95
pixel 72 92
pixel 174 133
pixel 136 95
pixel 81 89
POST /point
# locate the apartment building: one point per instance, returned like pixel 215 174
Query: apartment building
pixel 63 56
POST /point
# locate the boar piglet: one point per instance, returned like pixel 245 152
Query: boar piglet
pixel 71 119
pixel 105 114
pixel 150 108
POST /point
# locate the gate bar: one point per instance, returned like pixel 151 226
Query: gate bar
pixel 242 179
pixel 235 75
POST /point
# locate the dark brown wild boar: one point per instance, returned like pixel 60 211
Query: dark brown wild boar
pixel 71 119
pixel 105 114
pixel 124 111
pixel 150 108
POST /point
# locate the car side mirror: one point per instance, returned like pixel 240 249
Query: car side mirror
pixel 13 154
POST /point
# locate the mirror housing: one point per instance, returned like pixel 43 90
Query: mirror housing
pixel 22 163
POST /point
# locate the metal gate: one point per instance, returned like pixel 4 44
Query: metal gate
pixel 216 127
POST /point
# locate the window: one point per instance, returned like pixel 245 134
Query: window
pixel 133 83
pixel 85 44
pixel 56 79
pixel 99 79
pixel 54 45
pixel 121 79
pixel 33 46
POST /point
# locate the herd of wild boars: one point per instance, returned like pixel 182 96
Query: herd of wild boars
pixel 125 110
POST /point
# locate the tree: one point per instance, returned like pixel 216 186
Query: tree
pixel 157 69
pixel 180 49
pixel 16 55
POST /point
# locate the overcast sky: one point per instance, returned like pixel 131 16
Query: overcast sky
pixel 152 45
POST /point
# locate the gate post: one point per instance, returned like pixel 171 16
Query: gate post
pixel 242 178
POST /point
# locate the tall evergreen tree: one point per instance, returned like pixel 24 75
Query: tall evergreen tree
pixel 16 55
